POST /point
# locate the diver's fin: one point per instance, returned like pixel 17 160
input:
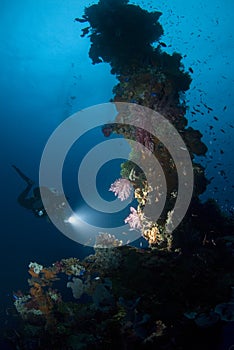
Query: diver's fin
pixel 23 176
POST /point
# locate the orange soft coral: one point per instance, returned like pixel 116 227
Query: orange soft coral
pixel 49 274
pixel 32 273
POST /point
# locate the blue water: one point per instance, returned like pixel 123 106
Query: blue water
pixel 46 75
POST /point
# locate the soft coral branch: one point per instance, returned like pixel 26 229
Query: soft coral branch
pixel 122 188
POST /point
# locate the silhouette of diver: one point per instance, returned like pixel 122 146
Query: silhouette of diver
pixel 34 203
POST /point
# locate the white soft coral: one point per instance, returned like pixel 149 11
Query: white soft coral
pixel 134 219
pixel 122 188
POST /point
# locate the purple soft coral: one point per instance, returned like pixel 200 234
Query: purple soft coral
pixel 133 219
pixel 121 188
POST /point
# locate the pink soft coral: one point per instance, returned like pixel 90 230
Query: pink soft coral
pixel 133 219
pixel 121 188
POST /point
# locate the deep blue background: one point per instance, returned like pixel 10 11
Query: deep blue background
pixel 46 75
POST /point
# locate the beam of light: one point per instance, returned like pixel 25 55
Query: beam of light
pixel 74 219
pixel 75 222
pixel 71 220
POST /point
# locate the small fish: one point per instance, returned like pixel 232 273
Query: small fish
pixel 224 108
pixel 162 44
pixel 222 173
pixel 84 31
pixel 216 118
pixel 222 131
pixel 81 20
pixel 190 69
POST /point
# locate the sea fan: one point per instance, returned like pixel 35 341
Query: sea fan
pixel 121 188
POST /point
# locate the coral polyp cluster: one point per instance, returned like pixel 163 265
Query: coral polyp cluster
pixel 38 306
pixel 128 297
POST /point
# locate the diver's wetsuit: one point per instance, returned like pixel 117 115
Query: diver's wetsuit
pixel 32 203
pixel 23 200
pixel 56 202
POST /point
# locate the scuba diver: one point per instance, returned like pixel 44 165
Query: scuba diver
pixel 34 203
